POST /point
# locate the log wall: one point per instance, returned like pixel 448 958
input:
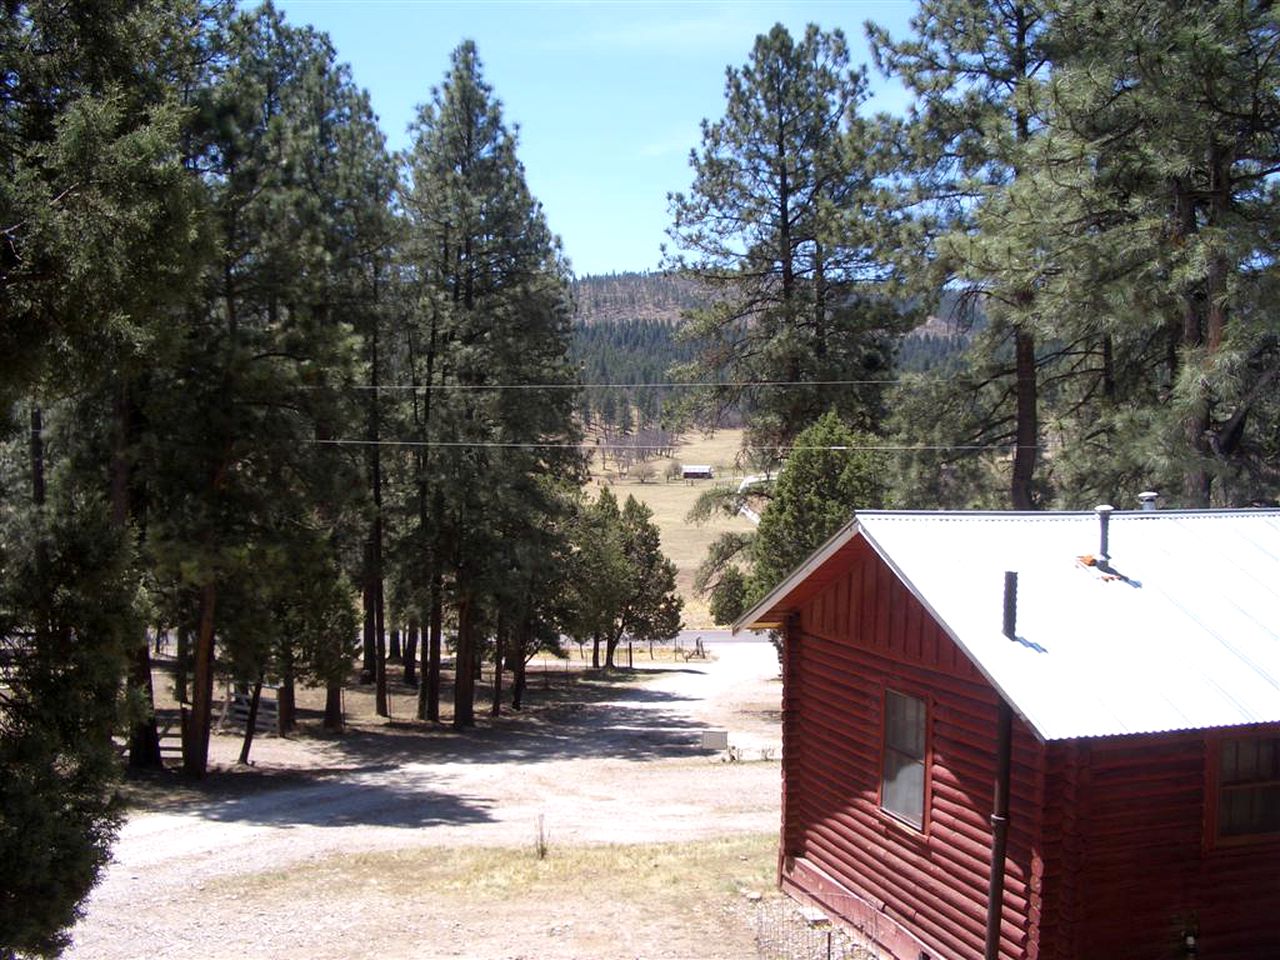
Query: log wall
pixel 931 881
pixel 1132 862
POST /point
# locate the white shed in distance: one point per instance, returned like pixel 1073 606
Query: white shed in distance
pixel 697 471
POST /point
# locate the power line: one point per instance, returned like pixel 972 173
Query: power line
pixel 546 445
pixel 664 385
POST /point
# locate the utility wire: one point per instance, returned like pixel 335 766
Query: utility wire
pixel 667 385
pixel 543 445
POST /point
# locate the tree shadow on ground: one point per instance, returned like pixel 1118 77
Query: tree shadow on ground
pixel 352 802
pixel 616 722
pixel 586 715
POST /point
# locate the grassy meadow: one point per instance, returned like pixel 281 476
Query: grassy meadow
pixel 684 542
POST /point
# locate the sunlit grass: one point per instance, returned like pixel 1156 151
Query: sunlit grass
pixel 654 873
pixel 686 543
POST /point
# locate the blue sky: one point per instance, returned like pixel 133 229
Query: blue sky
pixel 608 96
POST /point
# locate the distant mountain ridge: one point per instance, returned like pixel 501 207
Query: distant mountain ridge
pixel 625 329
pixel 631 296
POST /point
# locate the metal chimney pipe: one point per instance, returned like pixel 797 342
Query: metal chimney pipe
pixel 1010 604
pixel 1000 792
pixel 1148 500
pixel 1104 512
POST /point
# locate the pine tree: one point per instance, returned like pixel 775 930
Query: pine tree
pixel 774 228
pixel 495 313
pixel 251 382
pixel 827 477
pixel 621 585
pixel 1149 187
pixel 98 222
pixel 973 66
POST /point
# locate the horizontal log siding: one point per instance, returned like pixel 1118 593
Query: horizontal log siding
pixel 1125 842
pixel 861 635
pixel 1066 779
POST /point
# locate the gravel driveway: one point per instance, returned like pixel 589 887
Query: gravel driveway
pixel 619 763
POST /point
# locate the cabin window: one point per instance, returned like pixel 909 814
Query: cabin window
pixel 1249 787
pixel 902 783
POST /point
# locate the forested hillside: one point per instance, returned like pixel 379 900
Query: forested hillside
pixel 632 296
pixel 625 342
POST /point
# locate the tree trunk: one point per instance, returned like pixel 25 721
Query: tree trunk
pixel 369 668
pixel 251 724
pixel 499 652
pixel 381 705
pixel 37 456
pixel 464 677
pixel 375 550
pixel 195 735
pixel 432 650
pixel 182 665
pixel 394 653
pixel 1196 423
pixel 1027 427
pixel 287 702
pixel 1027 432
pixel 144 739
pixel 333 721
pixel 519 681
pixel 595 652
pixel 410 654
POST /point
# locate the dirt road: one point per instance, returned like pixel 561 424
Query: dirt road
pixel 246 870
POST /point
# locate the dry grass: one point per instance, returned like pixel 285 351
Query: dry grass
pixel 656 874
pixel 686 543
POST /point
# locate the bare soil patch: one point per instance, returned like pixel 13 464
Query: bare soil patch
pixel 399 839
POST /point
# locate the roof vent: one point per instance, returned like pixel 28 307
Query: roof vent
pixel 1011 604
pixel 1148 500
pixel 1104 512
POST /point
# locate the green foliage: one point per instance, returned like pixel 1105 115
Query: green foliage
pixel 66 608
pixel 974 68
pixel 622 584
pixel 729 597
pixel 829 474
pixel 774 229
pixel 491 311
pixel 101 235
pixel 1152 172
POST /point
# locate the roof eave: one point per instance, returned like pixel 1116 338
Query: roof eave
pixel 771 612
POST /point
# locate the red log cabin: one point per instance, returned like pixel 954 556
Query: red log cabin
pixel 1034 736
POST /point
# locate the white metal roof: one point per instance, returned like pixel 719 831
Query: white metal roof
pixel 1184 634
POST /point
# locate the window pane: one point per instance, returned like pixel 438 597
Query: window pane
pixel 1249 797
pixel 903 791
pixel 903 777
pixel 1248 811
pixel 904 724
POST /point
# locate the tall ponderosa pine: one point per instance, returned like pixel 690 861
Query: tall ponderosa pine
pixel 494 314
pixel 773 228
pixel 96 230
pixel 973 67
pixel 253 376
pixel 1146 220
